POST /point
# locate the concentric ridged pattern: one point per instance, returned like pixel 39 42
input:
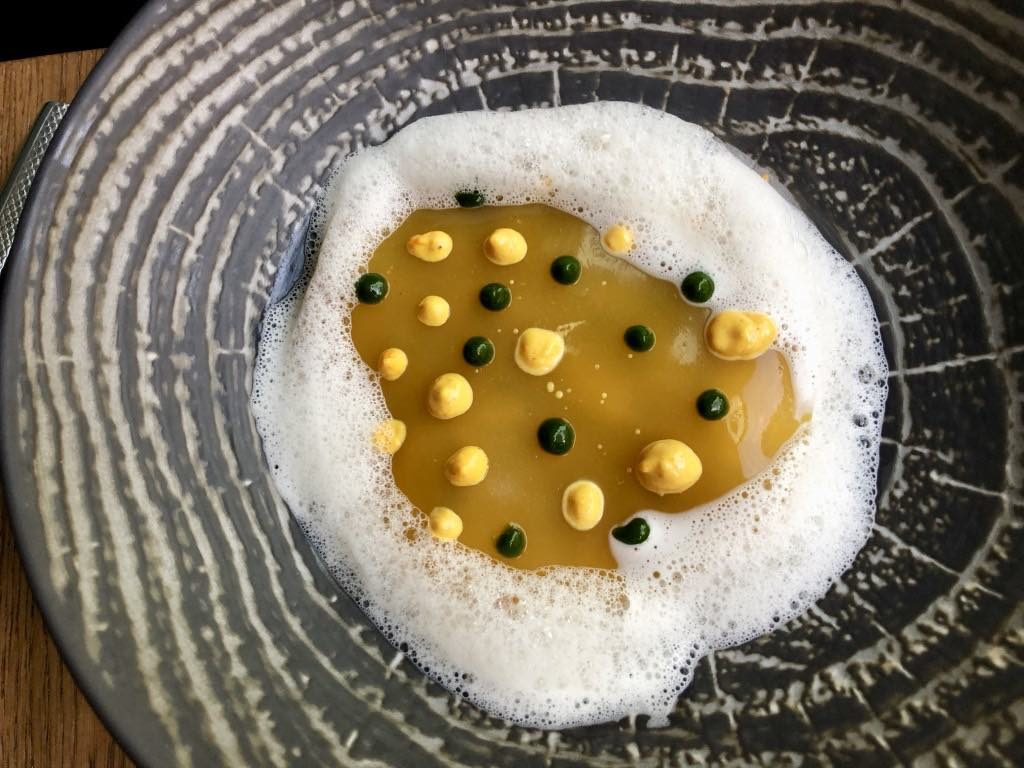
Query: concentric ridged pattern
pixel 188 603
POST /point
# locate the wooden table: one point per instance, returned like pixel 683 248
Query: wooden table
pixel 44 719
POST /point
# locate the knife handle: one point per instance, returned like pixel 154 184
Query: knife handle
pixel 15 190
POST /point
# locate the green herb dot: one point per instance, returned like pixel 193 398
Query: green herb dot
pixel 634 532
pixel 639 338
pixel 556 436
pixel 478 351
pixel 566 270
pixel 495 296
pixel 467 198
pixel 371 288
pixel 712 404
pixel 698 287
pixel 512 541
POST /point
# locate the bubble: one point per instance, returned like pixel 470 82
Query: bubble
pixel 578 646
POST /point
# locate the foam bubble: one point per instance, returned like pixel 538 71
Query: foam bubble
pixel 572 646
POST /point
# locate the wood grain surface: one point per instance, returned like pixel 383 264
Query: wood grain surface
pixel 44 718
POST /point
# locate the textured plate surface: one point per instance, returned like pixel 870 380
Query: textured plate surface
pixel 183 596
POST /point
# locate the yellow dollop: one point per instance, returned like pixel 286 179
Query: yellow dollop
pixel 389 436
pixel 450 395
pixel 433 311
pixel 617 240
pixel 539 351
pixel 467 466
pixel 583 504
pixel 392 363
pixel 505 246
pixel 668 466
pixel 735 335
pixel 430 246
pixel 444 524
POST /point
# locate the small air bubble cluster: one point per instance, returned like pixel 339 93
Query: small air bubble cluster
pixel 569 647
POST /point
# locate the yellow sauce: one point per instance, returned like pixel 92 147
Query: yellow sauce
pixel 617 400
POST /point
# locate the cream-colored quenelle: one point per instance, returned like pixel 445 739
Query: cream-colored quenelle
pixel 583 504
pixel 430 246
pixel 579 648
pixel 667 466
pixel 467 466
pixel 505 246
pixel 389 436
pixel 392 364
pixel 433 311
pixel 539 351
pixel 450 395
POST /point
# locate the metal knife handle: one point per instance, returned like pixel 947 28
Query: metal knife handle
pixel 15 190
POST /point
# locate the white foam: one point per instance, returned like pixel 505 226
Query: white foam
pixel 577 648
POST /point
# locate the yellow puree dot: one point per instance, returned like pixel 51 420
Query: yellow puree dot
pixel 392 363
pixel 668 466
pixel 430 246
pixel 467 466
pixel 450 395
pixel 583 505
pixel 505 246
pixel 445 524
pixel 389 436
pixel 617 240
pixel 735 335
pixel 433 311
pixel 539 351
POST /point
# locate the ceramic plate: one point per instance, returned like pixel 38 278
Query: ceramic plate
pixel 183 596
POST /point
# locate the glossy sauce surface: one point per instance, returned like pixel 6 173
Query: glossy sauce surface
pixel 617 400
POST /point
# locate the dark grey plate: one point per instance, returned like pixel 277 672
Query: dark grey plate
pixel 187 602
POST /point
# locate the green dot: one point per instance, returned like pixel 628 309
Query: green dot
pixel 698 287
pixel 512 541
pixel 566 270
pixel 639 338
pixel 371 288
pixel 495 296
pixel 556 436
pixel 478 351
pixel 712 404
pixel 634 532
pixel 469 198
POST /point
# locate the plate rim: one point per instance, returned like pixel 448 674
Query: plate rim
pixel 22 514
